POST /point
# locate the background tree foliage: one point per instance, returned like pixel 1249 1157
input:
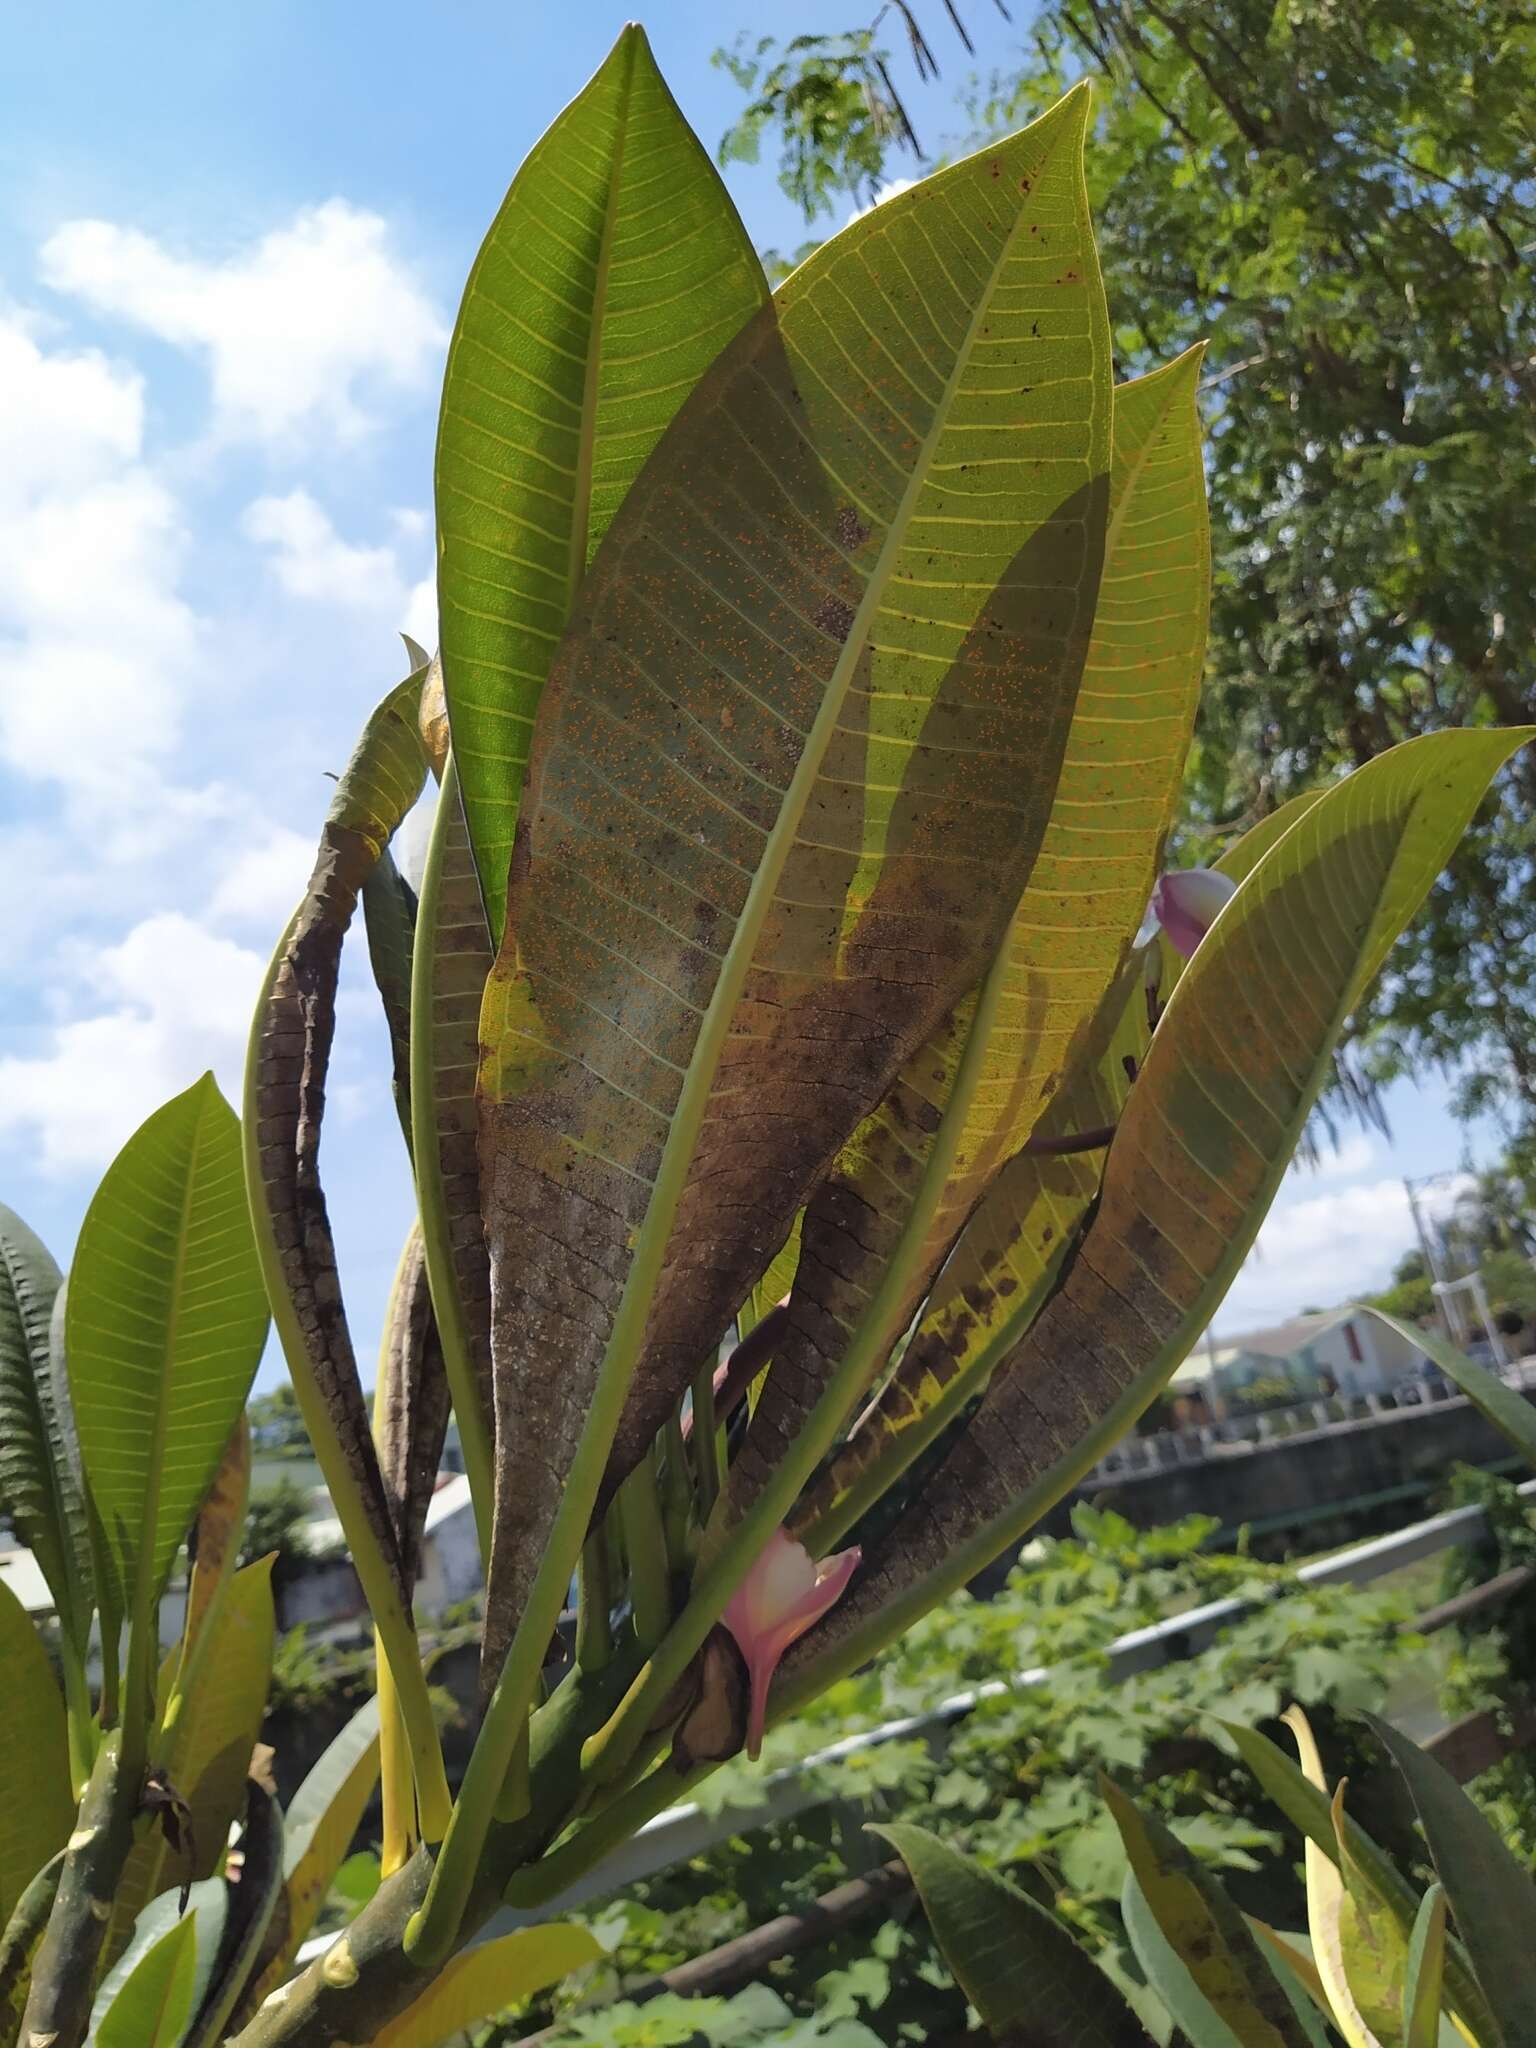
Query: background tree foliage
pixel 1342 197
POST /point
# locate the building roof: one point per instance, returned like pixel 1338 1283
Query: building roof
pixel 1283 1341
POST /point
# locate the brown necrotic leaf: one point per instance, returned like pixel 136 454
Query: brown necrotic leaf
pixel 286 1088
pixel 1109 815
pixel 794 761
pixel 410 1405
pixel 1208 1131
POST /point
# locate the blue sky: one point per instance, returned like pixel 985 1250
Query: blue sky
pixel 231 243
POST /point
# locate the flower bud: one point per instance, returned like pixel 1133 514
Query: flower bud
pixel 784 1593
pixel 1186 902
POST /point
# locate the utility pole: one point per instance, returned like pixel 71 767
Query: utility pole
pixel 1450 1316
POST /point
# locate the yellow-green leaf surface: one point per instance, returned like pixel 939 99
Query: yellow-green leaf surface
pixel 1204 1929
pixel 483 1980
pixel 1307 1807
pixel 1026 1976
pixel 210 1719
pixel 1327 1902
pixel 154 2003
pixel 164 1324
pixel 1373 1948
pixel 39 1484
pixel 1208 1130
pixel 991 1288
pixel 451 962
pixel 35 1796
pixel 1487 1889
pixel 1424 1974
pixel 1006 1259
pixel 793 763
pixel 614 273
pixel 1072 930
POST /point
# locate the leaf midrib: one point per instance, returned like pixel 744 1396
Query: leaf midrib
pixel 586 450
pixel 149 1524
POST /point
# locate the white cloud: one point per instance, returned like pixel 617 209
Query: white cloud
pixel 300 331
pixel 97 642
pixel 312 561
pixel 264 881
pixel 889 190
pixel 1323 1249
pixel 1356 1155
pixel 168 1002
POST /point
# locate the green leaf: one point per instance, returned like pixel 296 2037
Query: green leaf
pixel 210 1717
pixel 1208 1131
pixel 1066 950
pixel 1425 1972
pixel 164 1326
pixel 1307 1808
pixel 1169 1975
pixel 1490 1895
pixel 1509 1412
pixel 1205 1929
pixel 35 1796
pixel 154 2002
pixel 1372 1946
pixel 483 1980
pixel 613 275
pixel 842 740
pixel 39 1458
pixel 319 1826
pixel 451 962
pixel 1017 1964
pixel 389 920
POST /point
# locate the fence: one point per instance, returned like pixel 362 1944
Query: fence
pixel 686 1830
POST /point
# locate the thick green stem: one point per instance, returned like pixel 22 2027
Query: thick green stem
pixel 58 2007
pixel 594 1603
pixel 705 1440
pixel 645 1550
pixel 79 1720
pixel 677 1505
pixel 354 1989
pixel 611 1827
pixel 877 1329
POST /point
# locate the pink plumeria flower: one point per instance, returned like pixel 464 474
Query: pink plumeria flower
pixel 1185 903
pixel 784 1593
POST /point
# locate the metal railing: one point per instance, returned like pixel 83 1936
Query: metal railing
pixel 1199 1443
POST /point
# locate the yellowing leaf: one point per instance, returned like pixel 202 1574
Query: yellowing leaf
pixel 1070 935
pixel 483 1980
pixel 846 604
pixel 1207 1133
pixel 1326 1901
